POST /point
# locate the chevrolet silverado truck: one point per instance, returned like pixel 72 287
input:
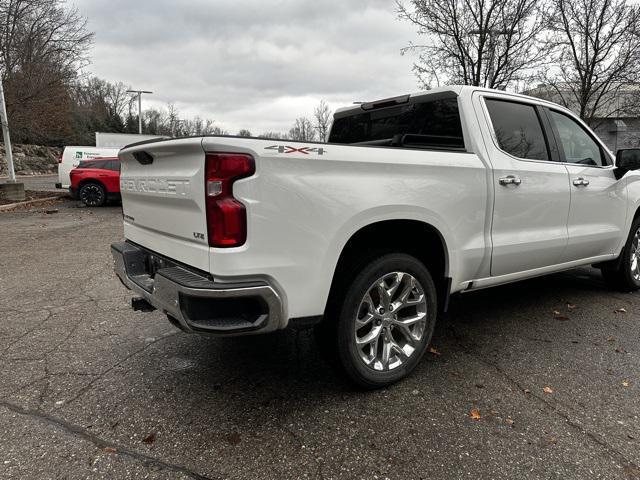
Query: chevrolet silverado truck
pixel 412 199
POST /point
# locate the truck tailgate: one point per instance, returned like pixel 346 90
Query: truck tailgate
pixel 163 199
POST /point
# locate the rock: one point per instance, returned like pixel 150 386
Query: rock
pixel 31 159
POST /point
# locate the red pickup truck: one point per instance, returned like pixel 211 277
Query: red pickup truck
pixel 95 181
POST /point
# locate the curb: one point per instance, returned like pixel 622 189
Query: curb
pixel 28 203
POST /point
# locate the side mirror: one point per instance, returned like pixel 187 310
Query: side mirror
pixel 628 159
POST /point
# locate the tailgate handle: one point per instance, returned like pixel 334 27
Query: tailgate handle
pixel 144 158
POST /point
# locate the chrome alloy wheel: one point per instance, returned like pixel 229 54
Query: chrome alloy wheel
pixel 635 256
pixel 391 321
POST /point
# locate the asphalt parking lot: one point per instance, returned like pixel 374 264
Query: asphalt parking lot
pixel 42 183
pixel 90 389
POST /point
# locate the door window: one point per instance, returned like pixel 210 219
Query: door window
pixel 577 144
pixel 114 165
pixel 518 130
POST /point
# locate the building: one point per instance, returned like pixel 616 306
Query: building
pixel 617 121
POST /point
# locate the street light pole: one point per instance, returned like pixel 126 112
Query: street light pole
pixel 5 135
pixel 139 92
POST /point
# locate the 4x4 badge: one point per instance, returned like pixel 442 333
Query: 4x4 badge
pixel 303 150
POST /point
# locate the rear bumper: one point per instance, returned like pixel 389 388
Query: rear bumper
pixel 193 300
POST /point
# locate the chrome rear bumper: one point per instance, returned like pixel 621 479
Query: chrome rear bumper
pixel 192 300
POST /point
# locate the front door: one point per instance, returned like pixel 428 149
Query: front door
pixel 529 228
pixel 598 210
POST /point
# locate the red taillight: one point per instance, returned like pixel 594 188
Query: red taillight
pixel 226 216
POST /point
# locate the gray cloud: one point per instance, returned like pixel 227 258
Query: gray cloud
pixel 251 64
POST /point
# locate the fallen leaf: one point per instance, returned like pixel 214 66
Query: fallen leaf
pixel 553 440
pixel 149 439
pixel 632 472
pixel 621 310
pixel 571 306
pixel 526 390
pixel 559 316
pixel 547 390
pixel 434 351
pixel 233 438
pixel 109 449
pixel 479 385
pixel 625 383
pixel 475 414
pixel 509 421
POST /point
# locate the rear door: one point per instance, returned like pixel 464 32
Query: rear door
pixel 163 199
pixel 598 212
pixel 529 225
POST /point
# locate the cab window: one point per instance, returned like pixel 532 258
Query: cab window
pixel 518 129
pixel 578 146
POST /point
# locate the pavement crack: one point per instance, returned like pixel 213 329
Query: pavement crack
pixel 17 339
pixel 79 432
pixel 552 406
pixel 88 386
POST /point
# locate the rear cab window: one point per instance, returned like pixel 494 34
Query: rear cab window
pixel 427 123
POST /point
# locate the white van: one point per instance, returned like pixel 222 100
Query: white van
pixel 71 157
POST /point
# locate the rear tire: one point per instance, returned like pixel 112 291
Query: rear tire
pixel 92 195
pixel 380 320
pixel 624 273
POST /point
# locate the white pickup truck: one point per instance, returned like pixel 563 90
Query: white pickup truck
pixel 412 199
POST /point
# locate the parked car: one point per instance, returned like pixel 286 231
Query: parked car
pixel 71 158
pixel 94 182
pixel 413 199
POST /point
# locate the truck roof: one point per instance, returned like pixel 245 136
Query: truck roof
pixel 452 89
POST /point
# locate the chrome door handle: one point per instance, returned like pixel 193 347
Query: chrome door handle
pixel 510 180
pixel 580 182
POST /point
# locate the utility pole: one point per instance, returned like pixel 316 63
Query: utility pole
pixel 10 190
pixel 493 33
pixel 139 92
pixel 5 135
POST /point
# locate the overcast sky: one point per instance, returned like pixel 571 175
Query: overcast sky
pixel 250 63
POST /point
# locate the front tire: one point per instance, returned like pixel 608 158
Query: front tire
pixel 92 195
pixel 385 319
pixel 624 274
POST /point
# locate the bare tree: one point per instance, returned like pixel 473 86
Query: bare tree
pixel 274 135
pixel 596 50
pixel 322 116
pixel 302 130
pixel 244 133
pixel 219 131
pixel 490 43
pixel 43 43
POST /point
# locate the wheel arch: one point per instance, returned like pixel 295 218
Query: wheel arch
pixel 418 238
pixel 91 180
